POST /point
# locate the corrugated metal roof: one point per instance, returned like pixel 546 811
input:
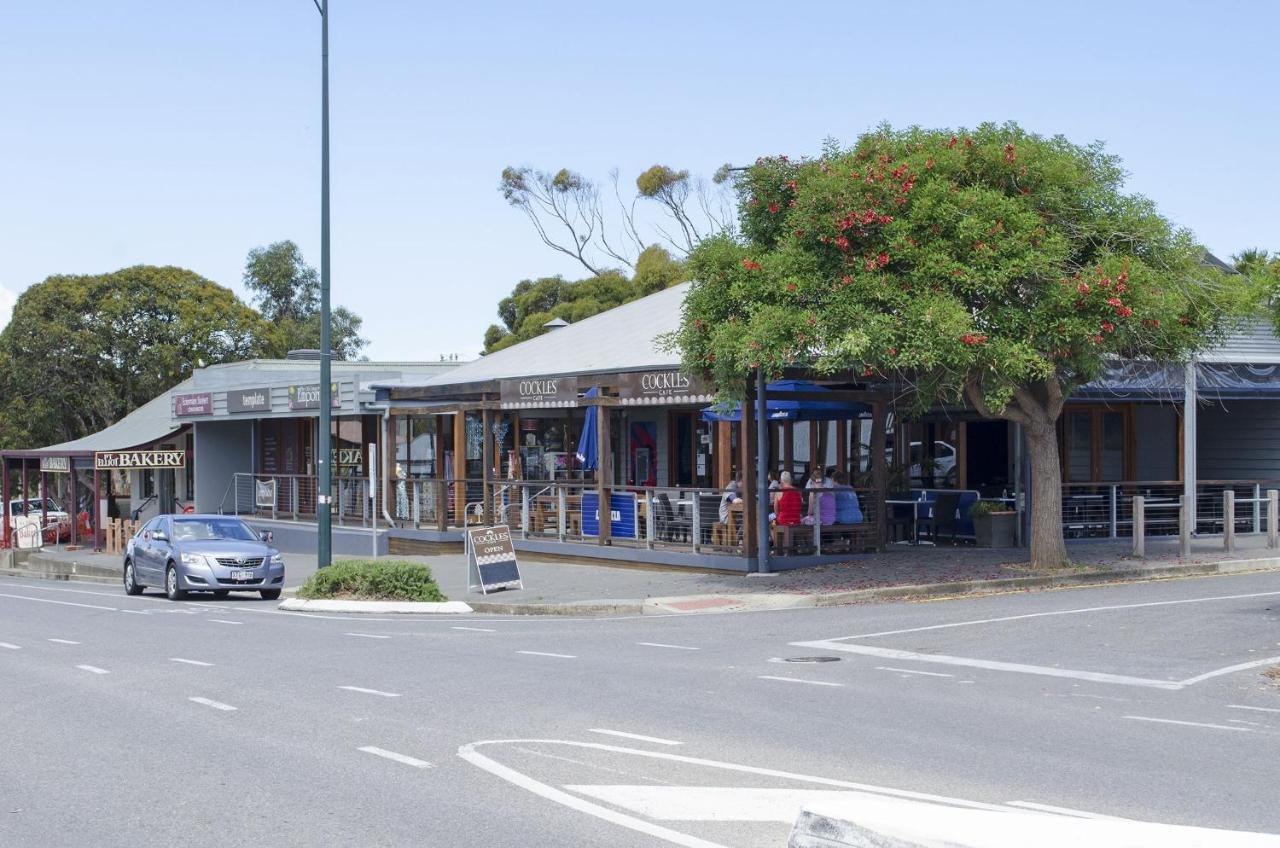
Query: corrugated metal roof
pixel 148 423
pixel 624 338
pixel 1253 342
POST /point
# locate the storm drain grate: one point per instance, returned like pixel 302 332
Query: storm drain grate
pixel 811 659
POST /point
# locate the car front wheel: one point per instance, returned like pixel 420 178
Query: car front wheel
pixel 131 586
pixel 270 594
pixel 171 585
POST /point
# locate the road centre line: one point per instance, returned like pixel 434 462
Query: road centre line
pixel 673 647
pixel 217 705
pixel 190 662
pixel 994 665
pixel 367 635
pixel 797 680
pixel 10 646
pixel 93 669
pixel 1189 723
pixel 545 654
pixel 1256 709
pixel 64 642
pixel 475 629
pixel 1052 613
pixel 225 621
pixel 636 736
pixel 370 691
pixel 399 758
pixel 59 603
pixel 912 671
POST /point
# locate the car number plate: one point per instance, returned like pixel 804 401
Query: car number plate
pixel 242 575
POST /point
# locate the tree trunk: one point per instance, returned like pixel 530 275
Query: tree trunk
pixel 1048 550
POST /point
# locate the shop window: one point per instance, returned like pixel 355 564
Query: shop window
pixel 1095 445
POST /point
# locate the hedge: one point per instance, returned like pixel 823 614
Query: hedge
pixel 379 580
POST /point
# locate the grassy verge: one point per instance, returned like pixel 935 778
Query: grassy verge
pixel 373 580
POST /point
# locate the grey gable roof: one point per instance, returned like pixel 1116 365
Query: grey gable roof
pixel 624 338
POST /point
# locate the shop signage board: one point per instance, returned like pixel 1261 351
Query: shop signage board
pixel 134 460
pixel 662 386
pixel 200 403
pixel 249 400
pixel 491 559
pixel 308 396
pixel 623 515
pixel 539 393
pixel 55 464
pixel 346 457
pixel 264 494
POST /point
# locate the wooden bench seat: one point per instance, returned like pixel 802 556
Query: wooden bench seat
pixel 797 538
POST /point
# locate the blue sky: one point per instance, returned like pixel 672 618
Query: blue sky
pixel 187 133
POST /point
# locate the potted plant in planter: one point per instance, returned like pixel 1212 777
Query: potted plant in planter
pixel 994 524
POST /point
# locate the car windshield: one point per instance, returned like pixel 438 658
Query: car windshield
pixel 188 529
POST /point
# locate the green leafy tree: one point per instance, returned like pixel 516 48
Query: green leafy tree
pixel 287 292
pixel 992 266
pixel 81 352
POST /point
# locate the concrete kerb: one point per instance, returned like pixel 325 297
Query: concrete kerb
pixel 378 607
pixel 41 567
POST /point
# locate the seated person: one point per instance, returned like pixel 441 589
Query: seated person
pixel 848 511
pixel 788 503
pixel 822 501
pixel 732 493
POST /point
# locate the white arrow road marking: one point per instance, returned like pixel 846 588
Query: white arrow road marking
pixel 189 662
pixel 368 635
pixel 225 621
pixel 544 654
pixel 673 647
pixel 399 758
pixel 476 629
pixel 10 646
pixel 93 669
pixel 365 691
pixel 63 642
pixel 636 736
pixel 797 680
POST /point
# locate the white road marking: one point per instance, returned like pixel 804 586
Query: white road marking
pixel 370 691
pixel 189 662
pixel 674 647
pixel 475 629
pixel 225 621
pixel 544 654
pixel 10 646
pixel 1053 613
pixel 59 603
pixel 1062 811
pixel 636 736
pixel 368 635
pixel 64 642
pixel 133 612
pixel 1230 670
pixel 1256 709
pixel 217 705
pixel 714 803
pixel 1189 723
pixel 399 758
pixel 1242 721
pixel 93 669
pixel 912 671
pixel 797 680
pixel 993 665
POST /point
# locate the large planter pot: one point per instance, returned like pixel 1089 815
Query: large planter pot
pixel 995 529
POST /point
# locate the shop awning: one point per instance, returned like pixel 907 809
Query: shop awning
pixel 782 409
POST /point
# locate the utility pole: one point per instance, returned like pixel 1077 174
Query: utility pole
pixel 324 526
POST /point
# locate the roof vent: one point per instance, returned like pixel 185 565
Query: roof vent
pixel 555 324
pixel 306 353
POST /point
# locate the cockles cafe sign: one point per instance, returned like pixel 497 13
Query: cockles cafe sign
pixel 135 460
pixel 539 393
pixel 663 386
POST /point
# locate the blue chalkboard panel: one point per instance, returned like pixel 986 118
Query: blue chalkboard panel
pixel 623 519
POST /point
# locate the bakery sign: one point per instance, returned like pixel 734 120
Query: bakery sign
pixel 661 386
pixel 134 460
pixel 539 393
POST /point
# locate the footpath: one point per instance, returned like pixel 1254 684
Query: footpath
pixel 900 572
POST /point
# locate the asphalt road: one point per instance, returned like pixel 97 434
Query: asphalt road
pixel 139 722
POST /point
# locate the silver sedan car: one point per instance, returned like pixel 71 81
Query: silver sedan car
pixel 202 553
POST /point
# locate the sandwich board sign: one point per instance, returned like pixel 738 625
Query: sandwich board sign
pixel 491 560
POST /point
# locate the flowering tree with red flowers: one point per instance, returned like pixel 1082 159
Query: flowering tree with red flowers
pixel 992 267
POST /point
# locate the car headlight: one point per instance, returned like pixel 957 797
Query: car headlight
pixel 192 559
pixel 276 559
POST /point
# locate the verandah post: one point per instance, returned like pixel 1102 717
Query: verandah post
pixel 1139 525
pixel 1229 520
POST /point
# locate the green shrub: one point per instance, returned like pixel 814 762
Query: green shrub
pixel 374 580
pixel 980 508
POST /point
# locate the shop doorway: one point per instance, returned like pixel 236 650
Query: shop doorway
pixel 987 457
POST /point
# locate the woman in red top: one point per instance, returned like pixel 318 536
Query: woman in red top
pixel 789 504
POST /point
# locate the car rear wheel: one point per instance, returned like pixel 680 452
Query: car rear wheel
pixel 171 585
pixel 131 586
pixel 270 594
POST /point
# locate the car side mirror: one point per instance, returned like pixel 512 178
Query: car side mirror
pixel 266 536
pixel 159 536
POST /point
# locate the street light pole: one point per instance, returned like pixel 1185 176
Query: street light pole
pixel 324 527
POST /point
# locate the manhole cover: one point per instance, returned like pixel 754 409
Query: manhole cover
pixel 811 659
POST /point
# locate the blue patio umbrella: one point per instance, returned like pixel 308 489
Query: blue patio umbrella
pixel 781 409
pixel 588 455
